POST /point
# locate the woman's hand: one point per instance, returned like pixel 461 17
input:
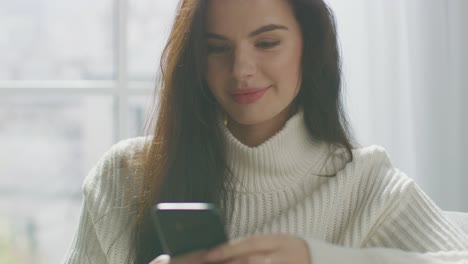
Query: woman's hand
pixel 271 249
pixel 197 257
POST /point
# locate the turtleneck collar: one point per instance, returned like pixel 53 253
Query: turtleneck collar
pixel 281 161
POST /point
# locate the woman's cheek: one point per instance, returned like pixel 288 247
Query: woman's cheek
pixel 213 75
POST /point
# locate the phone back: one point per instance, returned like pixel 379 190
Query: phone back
pixel 186 227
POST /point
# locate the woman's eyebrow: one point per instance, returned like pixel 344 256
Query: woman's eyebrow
pixel 260 30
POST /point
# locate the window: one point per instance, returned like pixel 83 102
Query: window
pixel 75 78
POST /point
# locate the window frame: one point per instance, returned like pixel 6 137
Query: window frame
pixel 120 88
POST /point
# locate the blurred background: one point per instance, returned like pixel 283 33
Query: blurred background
pixel 78 76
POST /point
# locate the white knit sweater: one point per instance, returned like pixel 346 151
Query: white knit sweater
pixel 370 212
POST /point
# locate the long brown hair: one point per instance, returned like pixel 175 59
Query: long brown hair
pixel 186 159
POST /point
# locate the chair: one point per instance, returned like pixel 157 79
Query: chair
pixel 458 218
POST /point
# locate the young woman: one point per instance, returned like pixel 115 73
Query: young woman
pixel 250 119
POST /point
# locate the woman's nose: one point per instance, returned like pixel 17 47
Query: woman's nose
pixel 244 64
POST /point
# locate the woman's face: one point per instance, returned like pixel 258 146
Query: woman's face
pixel 254 58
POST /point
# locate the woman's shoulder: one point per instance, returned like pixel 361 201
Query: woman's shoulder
pixel 124 154
pixel 370 151
pixel 128 147
pixel 121 165
pixel 373 180
pixel 112 187
pixel 369 164
pixel 371 157
pixel 373 164
pixel 362 157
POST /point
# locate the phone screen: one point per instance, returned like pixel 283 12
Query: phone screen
pixel 186 227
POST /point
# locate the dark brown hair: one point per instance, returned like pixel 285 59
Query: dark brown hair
pixel 186 159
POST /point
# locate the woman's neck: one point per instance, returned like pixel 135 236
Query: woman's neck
pixel 255 135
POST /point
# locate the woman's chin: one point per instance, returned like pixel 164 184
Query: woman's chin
pixel 249 120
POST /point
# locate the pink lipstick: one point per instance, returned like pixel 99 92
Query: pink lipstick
pixel 249 96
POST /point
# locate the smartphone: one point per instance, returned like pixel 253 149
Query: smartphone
pixel 186 227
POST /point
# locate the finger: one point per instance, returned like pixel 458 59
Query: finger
pixel 162 259
pixel 249 259
pixel 195 257
pixel 256 258
pixel 192 257
pixel 242 247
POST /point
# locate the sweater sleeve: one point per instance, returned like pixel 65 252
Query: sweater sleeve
pixel 85 247
pixel 416 233
pixel 103 233
pixel 409 229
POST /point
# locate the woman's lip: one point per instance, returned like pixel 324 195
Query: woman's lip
pixel 249 97
pixel 249 90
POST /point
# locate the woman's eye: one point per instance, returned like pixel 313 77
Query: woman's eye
pixel 268 44
pixel 217 49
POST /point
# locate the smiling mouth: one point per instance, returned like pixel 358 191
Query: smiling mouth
pixel 249 97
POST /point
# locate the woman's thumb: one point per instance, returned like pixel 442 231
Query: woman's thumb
pixel 162 259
